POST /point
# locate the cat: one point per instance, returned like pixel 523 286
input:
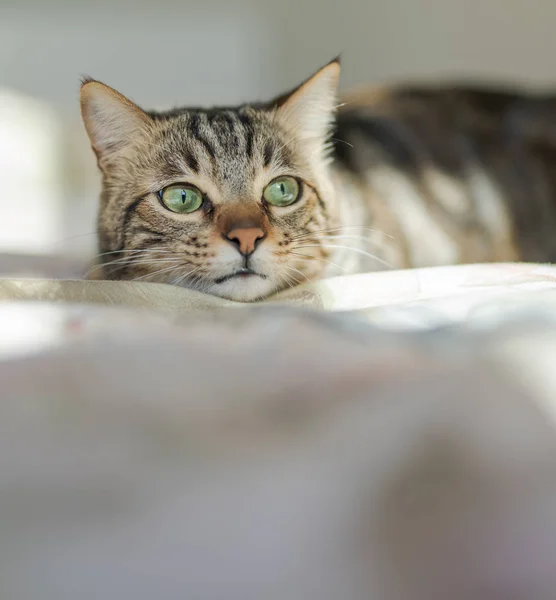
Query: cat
pixel 245 201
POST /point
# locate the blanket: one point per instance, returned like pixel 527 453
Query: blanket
pixel 382 436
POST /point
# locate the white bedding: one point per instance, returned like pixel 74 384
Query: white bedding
pixel 408 299
pixel 157 443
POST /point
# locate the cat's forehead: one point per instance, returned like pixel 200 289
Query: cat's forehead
pixel 230 145
pixel 226 133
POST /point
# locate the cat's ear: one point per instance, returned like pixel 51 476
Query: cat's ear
pixel 310 108
pixel 111 120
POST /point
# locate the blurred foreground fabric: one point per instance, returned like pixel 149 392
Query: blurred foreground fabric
pixel 387 436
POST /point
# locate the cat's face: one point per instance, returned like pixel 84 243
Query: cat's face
pixel 234 202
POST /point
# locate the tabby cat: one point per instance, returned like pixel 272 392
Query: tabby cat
pixel 243 202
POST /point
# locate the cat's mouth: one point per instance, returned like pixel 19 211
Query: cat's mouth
pixel 244 273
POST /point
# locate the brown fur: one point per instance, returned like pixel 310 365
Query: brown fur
pixel 230 155
pixel 421 176
pixel 492 148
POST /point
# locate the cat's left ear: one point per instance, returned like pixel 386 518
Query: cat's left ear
pixel 310 108
pixel 112 121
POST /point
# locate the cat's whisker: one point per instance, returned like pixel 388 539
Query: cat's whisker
pixel 130 255
pixel 199 283
pixel 127 261
pixel 298 271
pixel 349 248
pixel 373 243
pixel 319 258
pixel 342 228
pixel 157 273
pixel 290 280
pixel 136 256
pixel 295 138
pixel 136 251
pixel 184 276
pixel 342 141
pixel 98 266
pixel 330 230
pixel 361 238
pixel 136 261
pixel 158 261
pixel 362 252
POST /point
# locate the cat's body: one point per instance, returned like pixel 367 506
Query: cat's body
pixel 453 173
pixel 245 201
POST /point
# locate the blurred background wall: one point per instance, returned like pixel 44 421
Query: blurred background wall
pixel 167 52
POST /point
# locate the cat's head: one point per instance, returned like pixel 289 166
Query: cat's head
pixel 236 202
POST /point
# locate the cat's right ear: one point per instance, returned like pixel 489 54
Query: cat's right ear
pixel 309 109
pixel 111 120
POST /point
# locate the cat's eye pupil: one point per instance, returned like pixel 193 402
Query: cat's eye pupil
pixel 282 191
pixel 181 198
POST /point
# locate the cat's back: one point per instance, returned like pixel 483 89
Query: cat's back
pixel 444 123
pixel 473 154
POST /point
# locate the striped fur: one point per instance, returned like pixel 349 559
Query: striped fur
pixel 466 174
pixel 418 176
pixel 230 155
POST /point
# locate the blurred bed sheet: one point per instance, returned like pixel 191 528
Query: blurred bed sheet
pixel 387 436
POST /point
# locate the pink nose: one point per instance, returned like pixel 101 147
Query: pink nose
pixel 246 239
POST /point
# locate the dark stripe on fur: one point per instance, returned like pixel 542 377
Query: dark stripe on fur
pixel 247 124
pixel 194 124
pixel 128 214
pixel 388 137
pixel 154 239
pixel 195 129
pixel 191 161
pixel 268 153
pixel 208 147
pixel 507 133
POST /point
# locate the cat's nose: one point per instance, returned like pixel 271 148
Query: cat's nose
pixel 246 239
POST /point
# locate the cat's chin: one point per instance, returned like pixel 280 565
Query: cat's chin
pixel 243 288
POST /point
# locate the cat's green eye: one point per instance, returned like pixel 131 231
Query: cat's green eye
pixel 282 191
pixel 181 198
